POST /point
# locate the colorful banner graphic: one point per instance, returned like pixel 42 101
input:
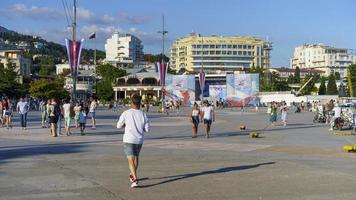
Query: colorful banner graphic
pixel 217 91
pixel 162 71
pixel 180 87
pixel 242 89
pixel 74 49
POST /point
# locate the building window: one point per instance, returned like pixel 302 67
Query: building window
pixel 205 52
pixel 218 46
pixel 234 46
pixel 194 46
pixel 223 52
pixel 205 46
pixel 212 46
pixel 218 52
pixel 229 46
pixel 234 52
pixel 244 47
pixel 212 52
pixel 199 46
pixel 244 53
pixel 223 46
pixel 240 46
pixel 229 53
pixel 240 52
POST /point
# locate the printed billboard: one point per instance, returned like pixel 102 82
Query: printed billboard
pixel 217 91
pixel 180 87
pixel 242 89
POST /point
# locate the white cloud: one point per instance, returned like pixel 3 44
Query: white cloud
pixel 84 15
pixel 32 12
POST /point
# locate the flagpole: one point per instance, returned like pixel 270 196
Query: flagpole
pixel 96 89
pixel 74 94
pixel 201 69
pixel 163 32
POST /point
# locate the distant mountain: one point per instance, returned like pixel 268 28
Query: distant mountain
pixel 4 30
pixel 37 45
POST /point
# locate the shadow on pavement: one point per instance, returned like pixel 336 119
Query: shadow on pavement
pixel 13 152
pixel 204 173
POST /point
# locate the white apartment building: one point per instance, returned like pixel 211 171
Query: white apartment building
pixel 322 57
pixel 61 67
pixel 219 53
pixel 123 49
pixel 17 58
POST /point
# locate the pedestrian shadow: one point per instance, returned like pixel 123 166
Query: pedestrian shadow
pixel 203 173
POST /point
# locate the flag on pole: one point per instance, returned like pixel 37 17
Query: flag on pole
pixel 74 49
pixel 92 36
pixel 162 71
pixel 202 81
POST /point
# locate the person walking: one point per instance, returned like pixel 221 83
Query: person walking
pixel 92 111
pixel 44 115
pixel 273 117
pixel 1 115
pixel 23 107
pixel 53 117
pixel 6 111
pixel 77 108
pixel 208 115
pixel 136 123
pixel 10 112
pixel 284 115
pixel 67 118
pixel 194 119
pixel 59 113
pixel 82 121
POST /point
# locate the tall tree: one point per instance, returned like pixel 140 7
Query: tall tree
pixel 331 88
pixel 297 75
pixel 351 80
pixel 322 88
pixel 337 76
pixel 108 75
pixel 9 81
pixel 48 89
pixel 342 90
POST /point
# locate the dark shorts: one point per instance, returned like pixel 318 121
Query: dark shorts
pixel 53 119
pixel 195 120
pixel 208 121
pixel 132 149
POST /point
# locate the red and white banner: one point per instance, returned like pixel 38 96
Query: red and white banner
pixel 74 49
pixel 162 71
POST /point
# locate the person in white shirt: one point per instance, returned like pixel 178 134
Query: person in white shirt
pixel 136 123
pixel 208 115
pixel 92 110
pixel 337 114
pixel 23 107
pixel 67 110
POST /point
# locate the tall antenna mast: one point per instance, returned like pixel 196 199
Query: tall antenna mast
pixel 164 33
pixel 74 26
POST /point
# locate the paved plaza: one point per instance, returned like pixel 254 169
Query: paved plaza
pixel 300 161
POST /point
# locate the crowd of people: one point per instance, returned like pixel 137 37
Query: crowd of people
pixel 54 113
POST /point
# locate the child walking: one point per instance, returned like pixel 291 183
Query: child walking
pixel 82 121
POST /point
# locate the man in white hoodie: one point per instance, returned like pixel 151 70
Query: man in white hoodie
pixel 136 123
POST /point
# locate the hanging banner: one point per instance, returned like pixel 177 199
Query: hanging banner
pixel 74 49
pixel 180 88
pixel 202 81
pixel 242 89
pixel 162 71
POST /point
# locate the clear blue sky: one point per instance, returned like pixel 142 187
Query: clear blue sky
pixel 286 23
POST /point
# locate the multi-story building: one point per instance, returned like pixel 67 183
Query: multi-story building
pixel 219 53
pixel 15 56
pixel 61 67
pixel 322 57
pixel 123 50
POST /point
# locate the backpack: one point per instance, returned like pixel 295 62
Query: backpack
pixel 57 110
